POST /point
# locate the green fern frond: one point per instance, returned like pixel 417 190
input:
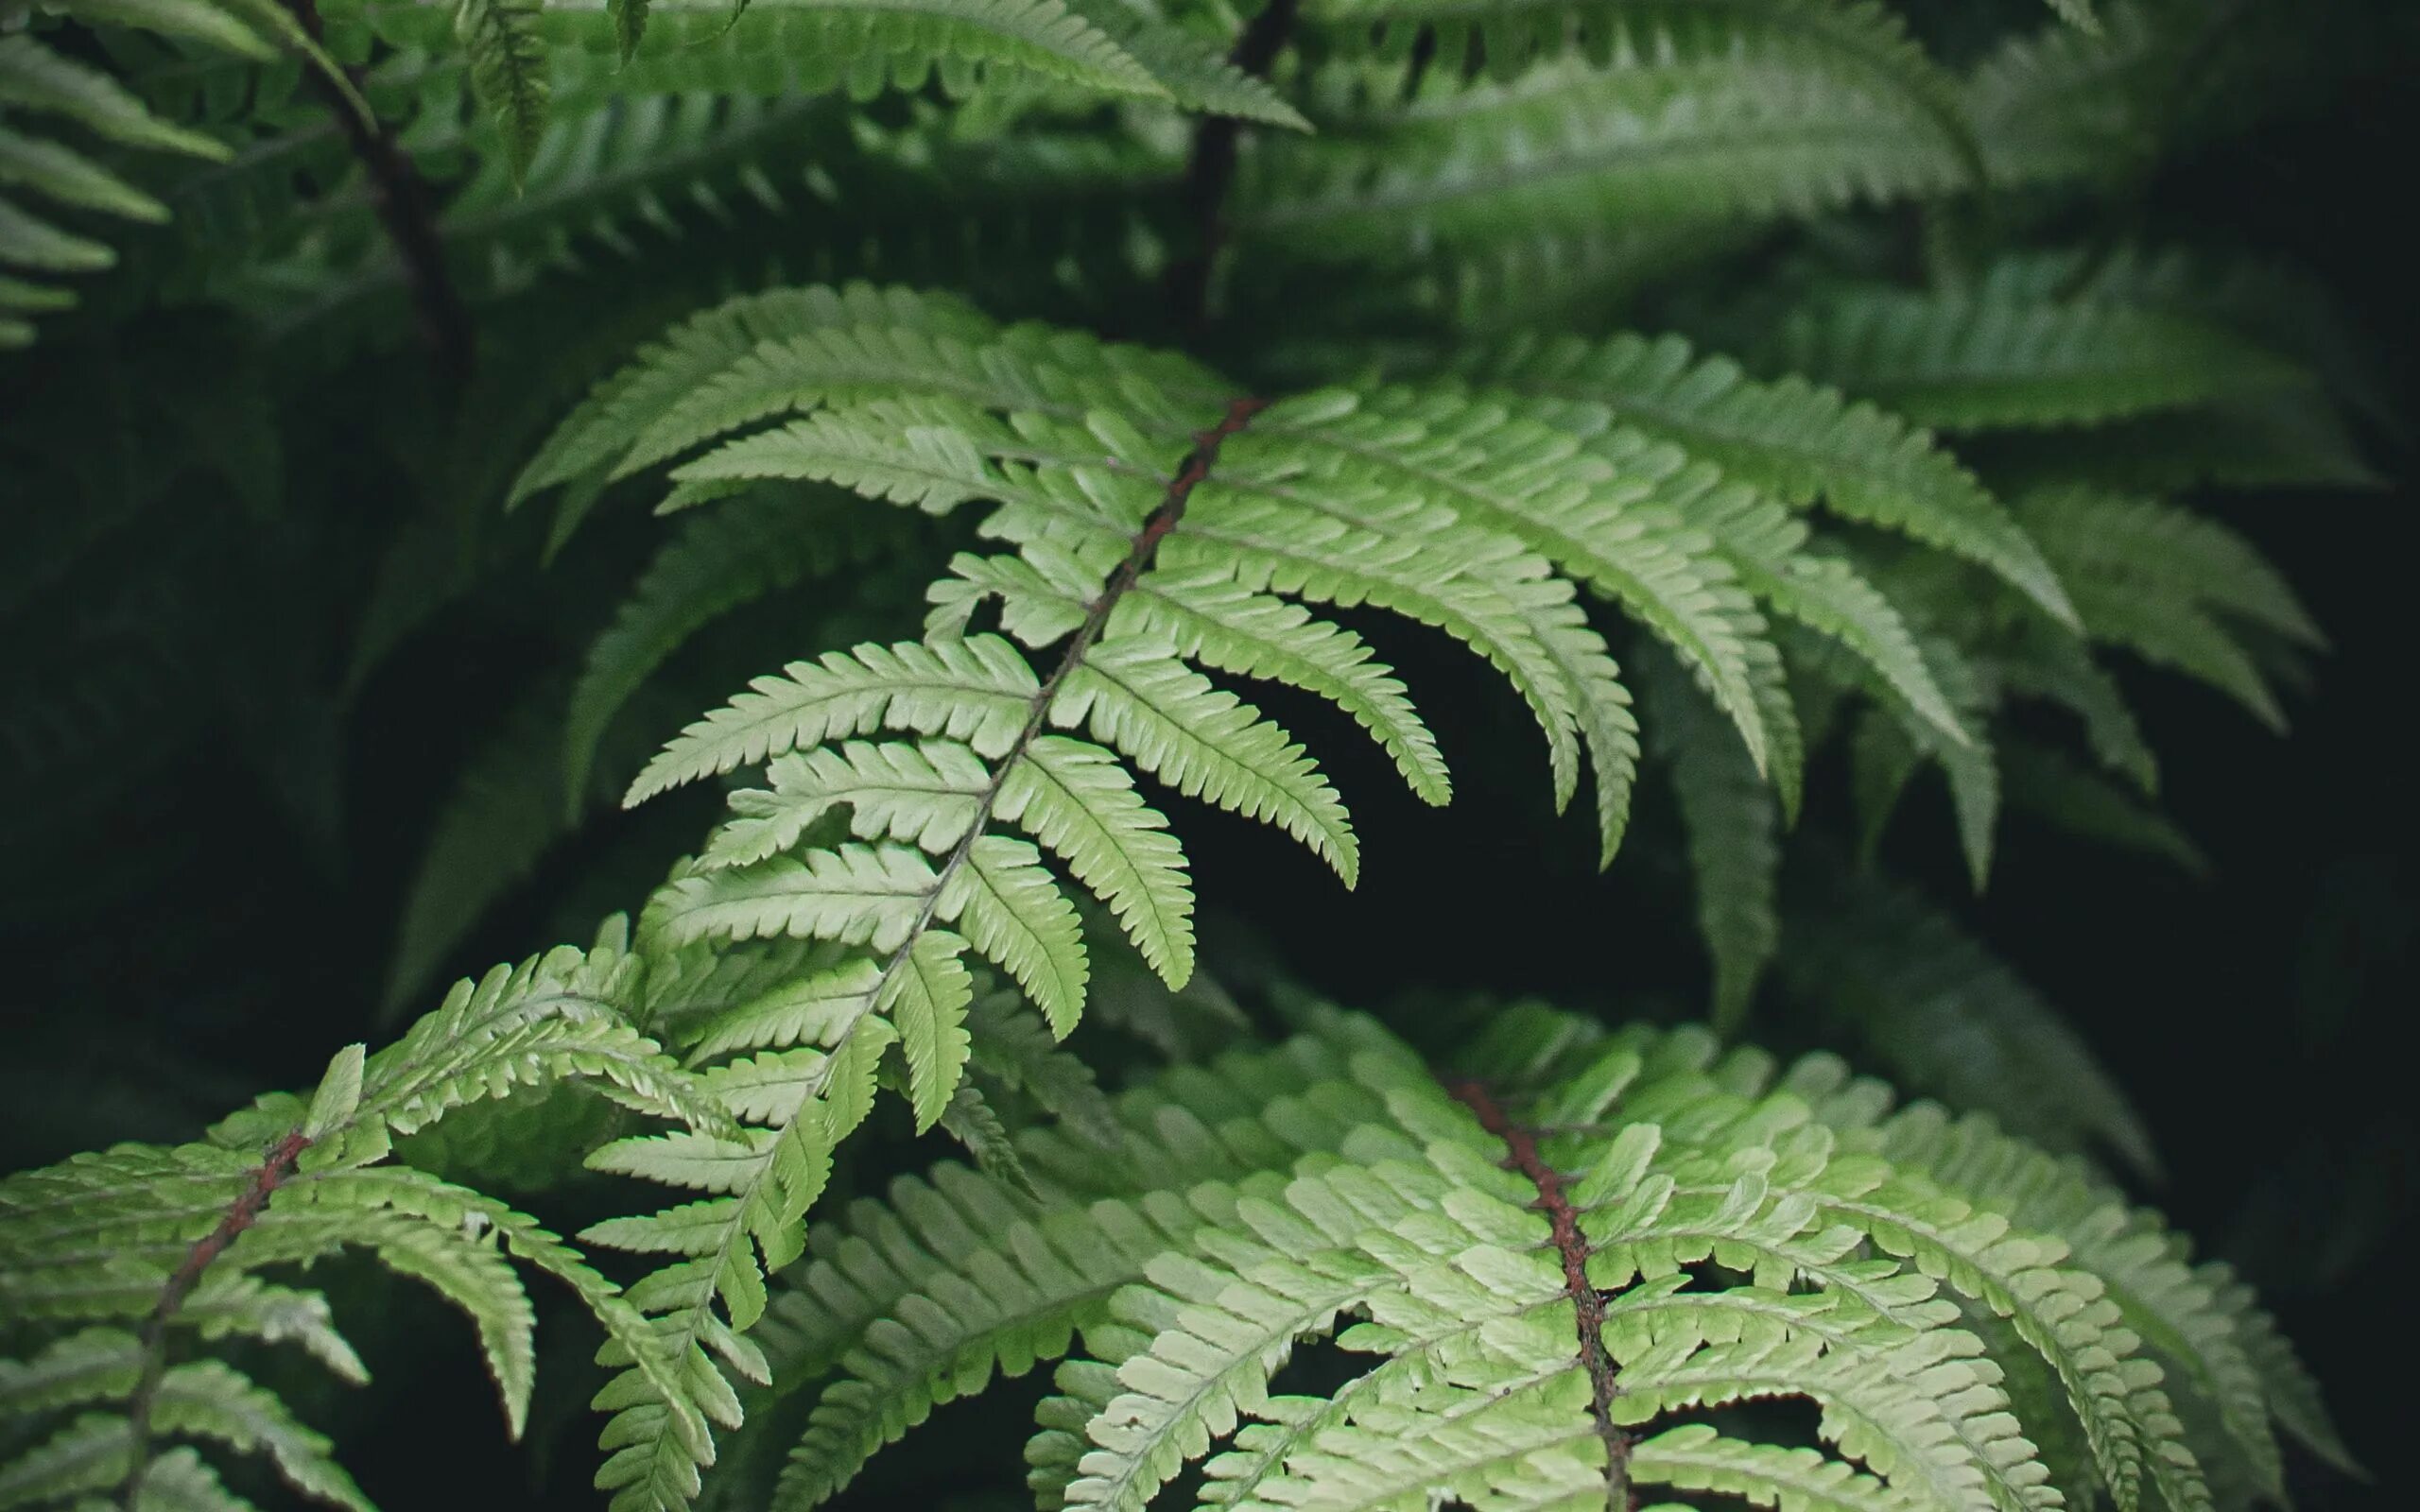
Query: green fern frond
pixel 121 1248
pixel 38 81
pixel 500 41
pixel 1733 823
pixel 804 47
pixel 721 560
pixel 1791 438
pixel 1981 364
pixel 1512 1259
pixel 1566 145
pixel 2165 583
pixel 1952 1019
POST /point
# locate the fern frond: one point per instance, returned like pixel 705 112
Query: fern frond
pixel 2164 582
pixel 509 71
pixel 38 81
pixel 1954 1021
pixel 1512 1259
pixel 1978 364
pixel 1732 824
pixel 123 1246
pixel 721 558
pixel 1794 439
pixel 1568 146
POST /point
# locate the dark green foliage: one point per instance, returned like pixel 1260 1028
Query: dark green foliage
pixel 1062 420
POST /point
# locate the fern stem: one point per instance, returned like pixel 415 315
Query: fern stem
pixel 1211 170
pixel 1588 1303
pixel 401 197
pixel 272 1173
pixel 1154 529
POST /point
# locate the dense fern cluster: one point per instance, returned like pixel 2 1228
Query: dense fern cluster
pixel 1772 395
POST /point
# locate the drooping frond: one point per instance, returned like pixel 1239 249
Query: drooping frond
pixel 113 1257
pixel 1733 822
pixel 721 560
pixel 1953 1020
pixel 2167 584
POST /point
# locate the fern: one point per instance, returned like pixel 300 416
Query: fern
pixel 1969 364
pixel 115 1255
pixel 38 81
pixel 1520 1255
pixel 1294 345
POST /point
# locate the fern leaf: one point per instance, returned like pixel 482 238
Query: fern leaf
pixel 1794 439
pixel 594 438
pixel 1016 915
pixel 1136 695
pixel 856 894
pixel 1223 626
pixel 1977 364
pixel 509 71
pixel 1565 145
pixel 1521 478
pixel 721 560
pixel 1942 1010
pixel 926 998
pixel 1734 854
pixel 926 794
pixel 976 690
pixel 1075 798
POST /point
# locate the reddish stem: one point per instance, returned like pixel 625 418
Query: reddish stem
pixel 1588 1303
pixel 240 1215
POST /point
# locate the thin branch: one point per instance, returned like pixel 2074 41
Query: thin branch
pixel 246 1210
pixel 1212 168
pixel 406 210
pixel 1588 1303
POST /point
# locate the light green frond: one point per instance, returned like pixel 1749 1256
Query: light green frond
pixel 1017 917
pixel 1796 441
pixel 924 795
pixel 976 690
pixel 1221 625
pixel 1078 799
pixel 926 996
pixel 856 894
pixel 1606 527
pixel 595 438
pixel 1134 695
